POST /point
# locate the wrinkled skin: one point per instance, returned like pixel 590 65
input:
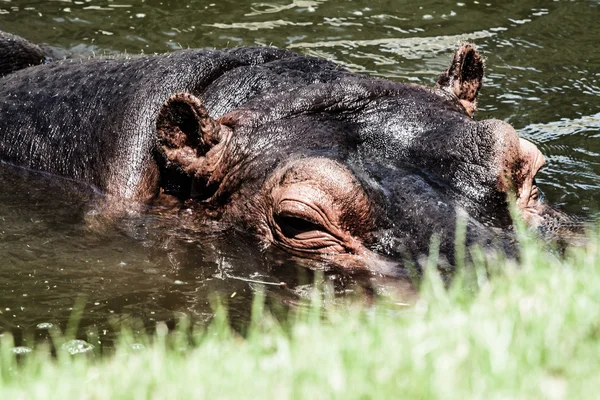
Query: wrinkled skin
pixel 321 162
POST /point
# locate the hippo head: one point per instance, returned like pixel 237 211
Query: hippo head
pixel 358 171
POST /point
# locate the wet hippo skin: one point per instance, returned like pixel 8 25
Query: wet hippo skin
pixel 324 163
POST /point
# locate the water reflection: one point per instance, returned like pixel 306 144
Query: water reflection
pixel 269 8
pixel 255 26
pixel 575 168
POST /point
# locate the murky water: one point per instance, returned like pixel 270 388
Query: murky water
pixel 543 77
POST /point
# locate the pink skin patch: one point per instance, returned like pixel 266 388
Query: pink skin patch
pixel 528 200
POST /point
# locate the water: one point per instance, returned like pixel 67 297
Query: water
pixel 543 77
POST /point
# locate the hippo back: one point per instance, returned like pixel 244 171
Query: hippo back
pixel 93 120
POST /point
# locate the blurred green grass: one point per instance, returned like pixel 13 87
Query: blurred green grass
pixel 501 330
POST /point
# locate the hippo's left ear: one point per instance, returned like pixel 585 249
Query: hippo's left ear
pixel 189 137
pixel 463 77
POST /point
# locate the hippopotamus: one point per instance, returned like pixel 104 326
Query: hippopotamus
pixel 356 171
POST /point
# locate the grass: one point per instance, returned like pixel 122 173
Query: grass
pixel 528 331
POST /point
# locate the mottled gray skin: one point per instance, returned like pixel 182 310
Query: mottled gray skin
pixel 254 122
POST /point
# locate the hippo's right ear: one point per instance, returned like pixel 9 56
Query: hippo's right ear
pixel 188 137
pixel 463 77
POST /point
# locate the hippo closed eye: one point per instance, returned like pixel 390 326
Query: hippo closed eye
pixel 311 158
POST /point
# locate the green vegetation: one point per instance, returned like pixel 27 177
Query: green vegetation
pixel 528 331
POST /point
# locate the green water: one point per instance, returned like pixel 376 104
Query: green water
pixel 543 76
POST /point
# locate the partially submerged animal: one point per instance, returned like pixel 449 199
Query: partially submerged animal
pixel 309 157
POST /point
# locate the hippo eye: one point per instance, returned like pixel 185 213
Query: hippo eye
pixel 299 231
pixel 293 227
pixel 300 224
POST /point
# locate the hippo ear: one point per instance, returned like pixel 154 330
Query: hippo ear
pixel 463 77
pixel 188 137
